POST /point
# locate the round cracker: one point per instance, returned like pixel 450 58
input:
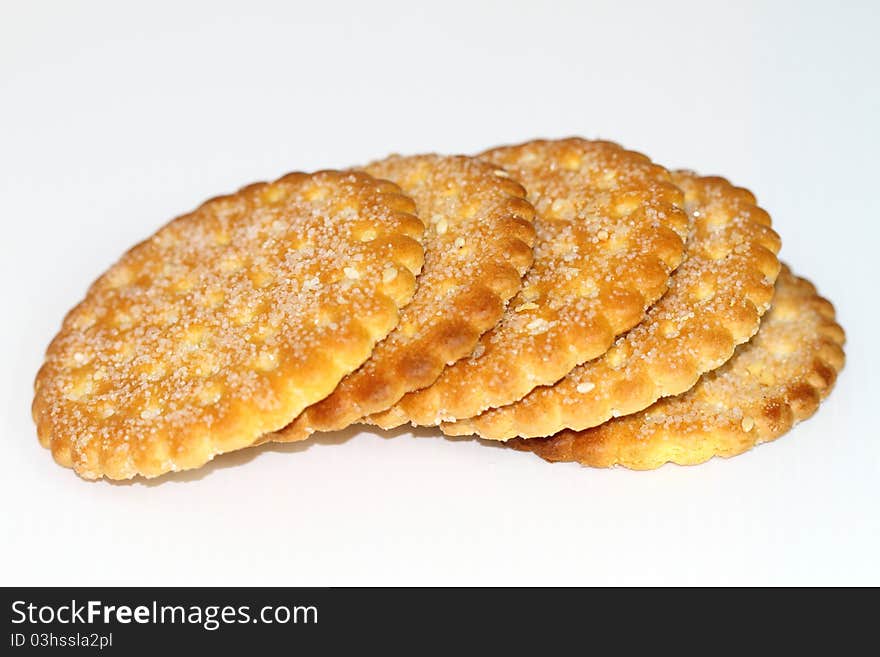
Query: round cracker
pixel 610 226
pixel 226 323
pixel 715 302
pixel 478 244
pixel 772 383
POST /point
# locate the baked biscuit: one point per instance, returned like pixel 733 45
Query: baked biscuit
pixel 227 323
pixel 610 226
pixel 478 244
pixel 714 303
pixel 772 382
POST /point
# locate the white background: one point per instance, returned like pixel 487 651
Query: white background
pixel 113 119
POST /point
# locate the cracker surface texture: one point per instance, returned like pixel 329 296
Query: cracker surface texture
pixel 610 227
pixel 715 302
pixel 773 382
pixel 478 244
pixel 227 323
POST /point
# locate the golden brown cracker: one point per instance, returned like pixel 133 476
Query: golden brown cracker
pixel 226 323
pixel 772 382
pixel 610 226
pixel 478 244
pixel 714 303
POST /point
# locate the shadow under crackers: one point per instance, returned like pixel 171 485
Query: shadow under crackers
pixel 243 456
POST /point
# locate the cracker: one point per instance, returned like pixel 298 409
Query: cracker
pixel 715 302
pixel 478 244
pixel 227 323
pixel 772 383
pixel 610 228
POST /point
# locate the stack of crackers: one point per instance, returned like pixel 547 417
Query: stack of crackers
pixel 569 297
